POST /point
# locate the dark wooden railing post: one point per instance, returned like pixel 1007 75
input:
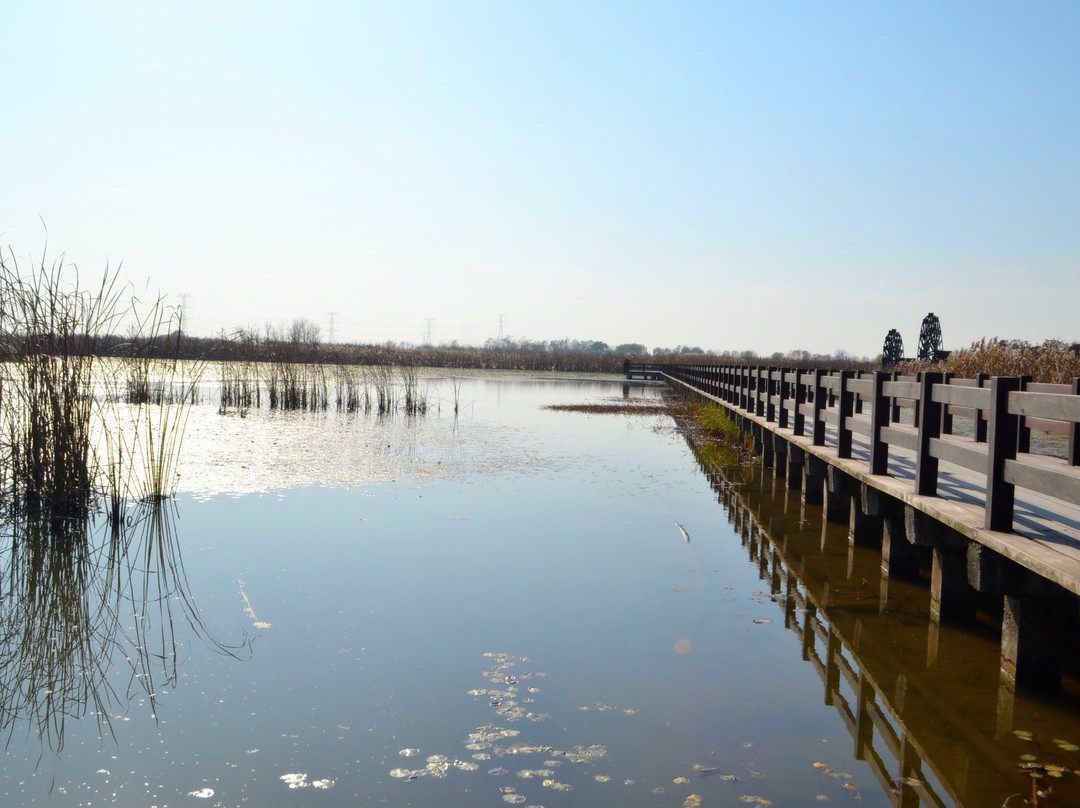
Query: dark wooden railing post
pixel 981 418
pixel 759 399
pixel 1023 431
pixel 799 421
pixel 1074 432
pixel 845 409
pixel 926 465
pixel 770 388
pixel 1003 438
pixel 895 417
pixel 819 406
pixel 946 414
pixel 744 388
pixel 783 390
pixel 879 449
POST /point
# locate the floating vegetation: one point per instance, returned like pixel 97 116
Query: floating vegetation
pixel 300 780
pixel 202 793
pixel 1041 772
pixel 626 407
pixel 496 740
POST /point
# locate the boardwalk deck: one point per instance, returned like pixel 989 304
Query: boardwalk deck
pixel 995 517
pixel 1046 531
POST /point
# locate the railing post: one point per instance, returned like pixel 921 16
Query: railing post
pixel 1074 432
pixel 1003 434
pixel 981 419
pixel 770 388
pixel 799 421
pixel 744 387
pixel 926 465
pixel 782 412
pixel 1023 431
pixel 819 406
pixel 845 409
pixel 759 407
pixel 946 415
pixel 895 417
pixel 879 450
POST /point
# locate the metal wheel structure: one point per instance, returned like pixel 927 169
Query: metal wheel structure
pixel 893 350
pixel 929 338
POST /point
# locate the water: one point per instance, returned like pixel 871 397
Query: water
pixel 509 589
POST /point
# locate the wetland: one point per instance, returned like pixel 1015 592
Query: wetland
pixel 533 591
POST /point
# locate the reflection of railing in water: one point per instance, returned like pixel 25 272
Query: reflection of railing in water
pixel 897 696
pixel 72 600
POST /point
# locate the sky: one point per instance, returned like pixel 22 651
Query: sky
pixel 765 176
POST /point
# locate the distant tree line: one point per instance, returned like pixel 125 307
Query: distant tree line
pixel 301 341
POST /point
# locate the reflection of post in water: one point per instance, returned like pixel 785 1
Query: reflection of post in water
pixel 920 697
pixel 75 597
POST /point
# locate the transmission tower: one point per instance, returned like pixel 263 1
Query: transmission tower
pixel 427 332
pixel 331 315
pixel 184 319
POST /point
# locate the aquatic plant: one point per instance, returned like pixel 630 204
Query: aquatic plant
pixel 51 330
pixel 1042 773
pixel 83 414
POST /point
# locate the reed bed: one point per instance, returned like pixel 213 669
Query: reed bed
pixel 85 418
pixel 1052 362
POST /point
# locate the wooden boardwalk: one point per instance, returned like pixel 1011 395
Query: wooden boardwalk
pixel 944 465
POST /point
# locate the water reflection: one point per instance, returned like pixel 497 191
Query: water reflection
pixel 922 700
pixel 89 614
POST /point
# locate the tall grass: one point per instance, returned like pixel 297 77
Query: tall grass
pixel 50 328
pixel 1051 362
pixel 77 425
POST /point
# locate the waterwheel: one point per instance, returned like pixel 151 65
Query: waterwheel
pixel 930 338
pixel 893 350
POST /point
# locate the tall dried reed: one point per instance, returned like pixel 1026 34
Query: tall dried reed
pixel 1052 362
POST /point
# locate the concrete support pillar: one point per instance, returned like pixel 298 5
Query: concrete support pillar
pixel 780 460
pixel 951 596
pixel 796 461
pixel 865 523
pixel 814 480
pixel 1032 633
pixel 898 555
pixel 763 439
pixel 837 496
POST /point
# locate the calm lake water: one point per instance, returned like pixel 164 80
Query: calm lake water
pixel 510 605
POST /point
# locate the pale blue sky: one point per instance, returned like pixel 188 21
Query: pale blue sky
pixel 735 175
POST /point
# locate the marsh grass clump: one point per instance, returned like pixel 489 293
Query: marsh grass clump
pixel 414 397
pixel 717 424
pixel 239 387
pixel 50 338
pixel 715 438
pixel 85 415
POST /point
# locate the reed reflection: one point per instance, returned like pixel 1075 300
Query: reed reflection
pixel 90 611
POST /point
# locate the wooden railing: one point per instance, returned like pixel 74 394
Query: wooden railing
pixel 917 414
